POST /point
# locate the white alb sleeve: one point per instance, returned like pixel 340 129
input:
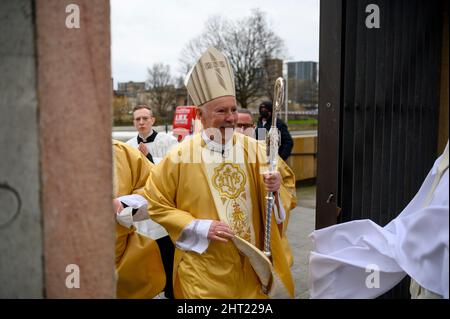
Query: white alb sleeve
pixel 195 236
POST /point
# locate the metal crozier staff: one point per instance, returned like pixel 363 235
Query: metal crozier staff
pixel 273 142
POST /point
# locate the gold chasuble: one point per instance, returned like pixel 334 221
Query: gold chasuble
pixel 139 268
pixel 288 195
pixel 194 182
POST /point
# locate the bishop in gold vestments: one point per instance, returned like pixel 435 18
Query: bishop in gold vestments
pixel 209 194
pixel 182 192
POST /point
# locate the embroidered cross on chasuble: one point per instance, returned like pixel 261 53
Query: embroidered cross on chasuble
pixel 229 187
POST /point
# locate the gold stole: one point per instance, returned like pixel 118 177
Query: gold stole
pixel 228 182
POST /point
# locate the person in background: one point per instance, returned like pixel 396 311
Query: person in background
pixel 152 144
pixel 245 123
pixel 265 122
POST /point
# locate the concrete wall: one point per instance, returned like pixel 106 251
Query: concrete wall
pixel 303 159
pixel 21 247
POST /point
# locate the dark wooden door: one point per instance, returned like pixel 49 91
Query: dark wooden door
pixel 378 108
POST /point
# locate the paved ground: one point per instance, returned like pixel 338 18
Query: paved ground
pixel 301 224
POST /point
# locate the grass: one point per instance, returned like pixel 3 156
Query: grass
pixel 303 122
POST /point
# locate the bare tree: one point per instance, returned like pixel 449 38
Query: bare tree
pixel 247 43
pixel 162 90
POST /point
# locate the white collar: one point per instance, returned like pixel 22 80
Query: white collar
pixel 146 137
pixel 217 147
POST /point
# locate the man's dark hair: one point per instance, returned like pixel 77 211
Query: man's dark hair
pixel 142 106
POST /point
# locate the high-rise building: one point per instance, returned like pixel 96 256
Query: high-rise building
pixel 303 70
pixel 303 83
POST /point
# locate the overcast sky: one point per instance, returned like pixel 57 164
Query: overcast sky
pixel 151 31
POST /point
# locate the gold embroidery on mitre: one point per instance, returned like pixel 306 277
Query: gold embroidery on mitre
pixel 229 180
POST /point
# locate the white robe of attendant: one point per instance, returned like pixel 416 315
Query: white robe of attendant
pixel 158 148
pixel 360 259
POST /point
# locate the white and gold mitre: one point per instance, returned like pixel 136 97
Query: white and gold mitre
pixel 211 77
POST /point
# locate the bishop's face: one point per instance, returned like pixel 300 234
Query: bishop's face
pixel 220 114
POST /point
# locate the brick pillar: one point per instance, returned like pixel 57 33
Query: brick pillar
pixel 74 94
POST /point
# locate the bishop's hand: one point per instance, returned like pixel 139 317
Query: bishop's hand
pixel 272 181
pixel 220 231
